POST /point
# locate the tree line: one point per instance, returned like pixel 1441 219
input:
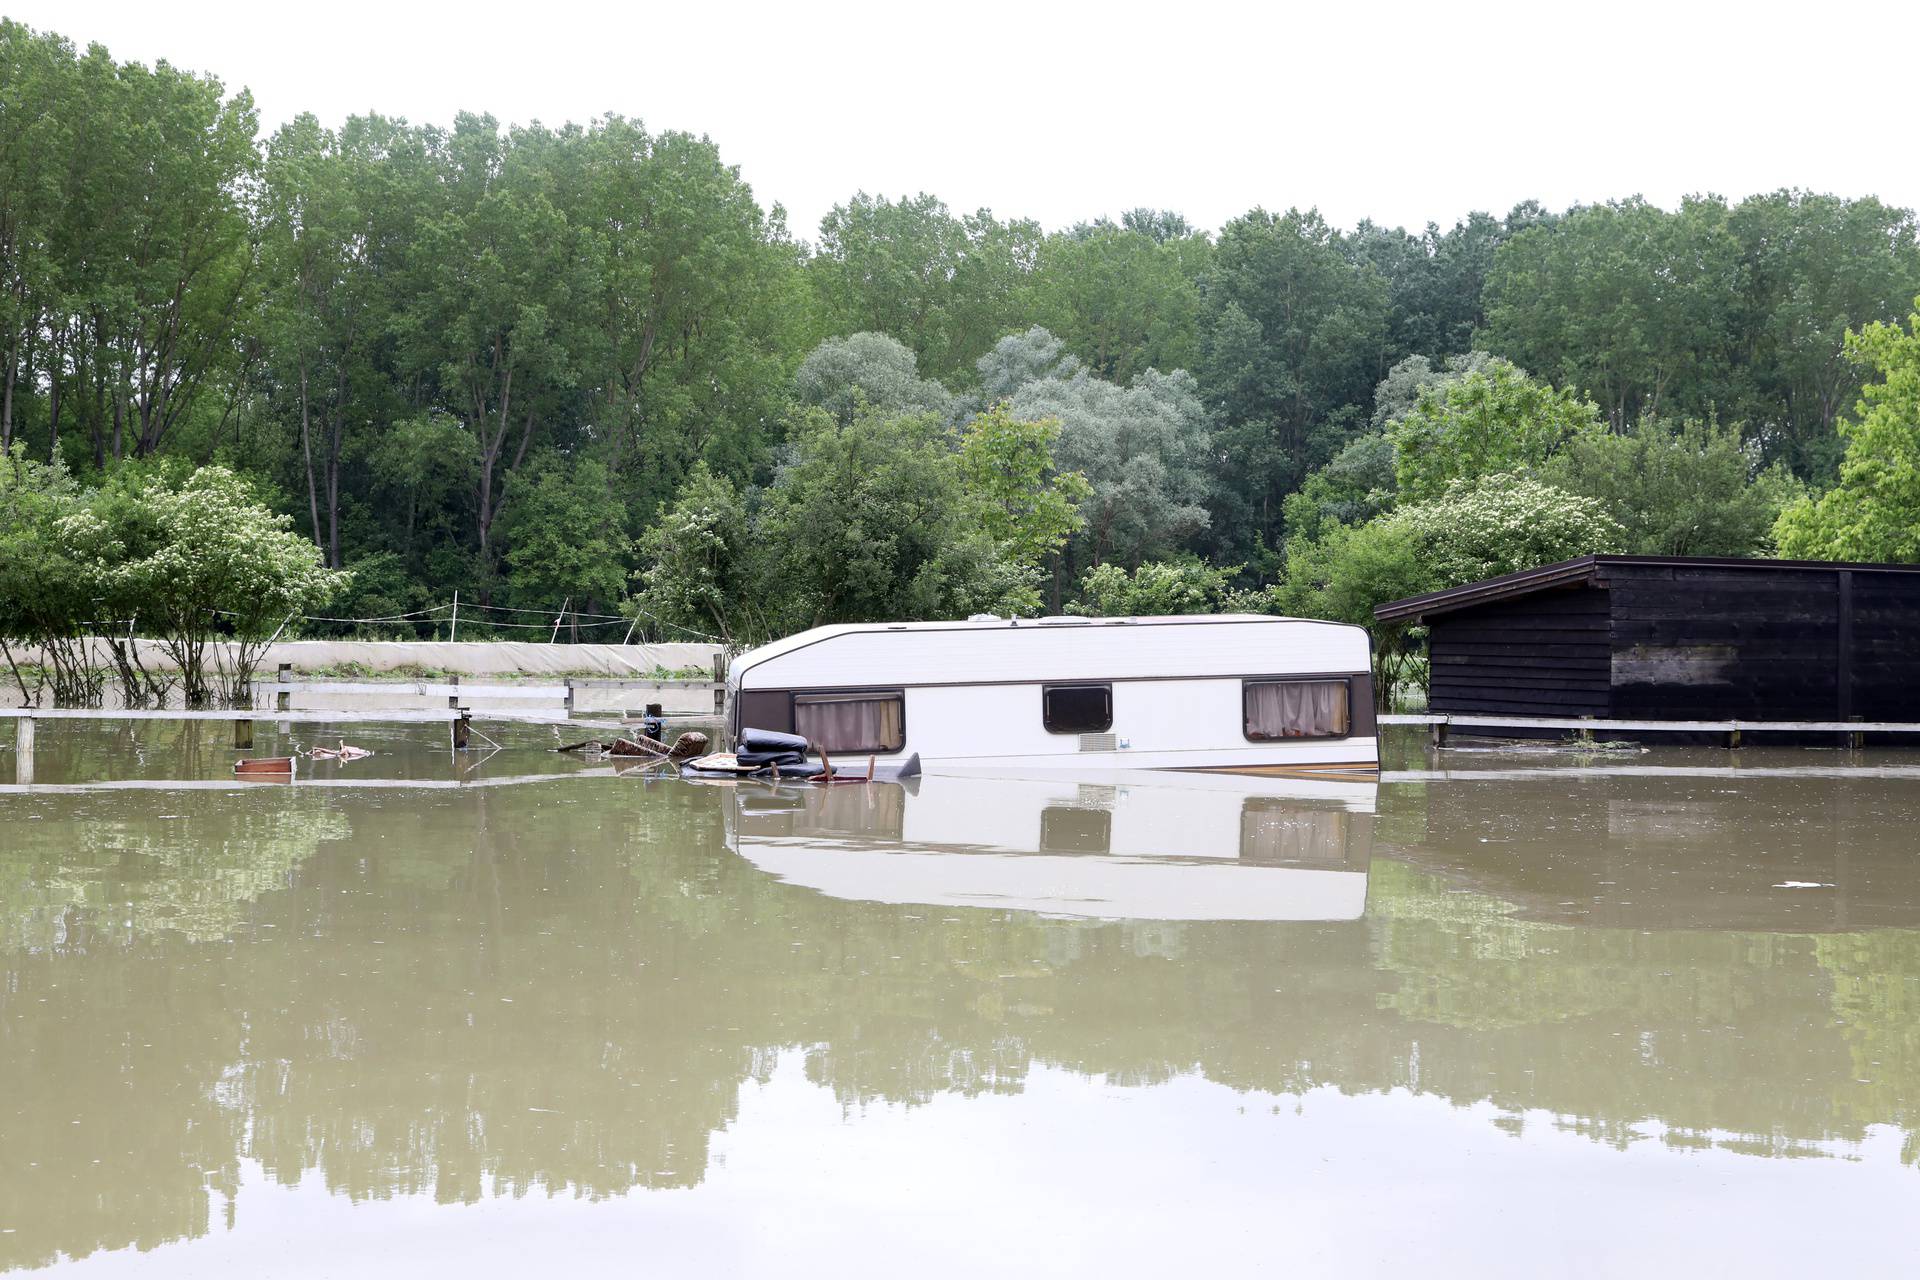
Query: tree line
pixel 586 363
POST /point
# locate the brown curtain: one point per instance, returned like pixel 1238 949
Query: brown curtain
pixel 866 722
pixel 1297 709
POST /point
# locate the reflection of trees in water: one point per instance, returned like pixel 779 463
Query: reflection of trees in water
pixel 1876 996
pixel 562 988
pixel 113 868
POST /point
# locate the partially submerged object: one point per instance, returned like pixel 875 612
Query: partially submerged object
pixel 763 753
pixel 264 766
pixel 343 752
pixel 685 747
pixel 1231 691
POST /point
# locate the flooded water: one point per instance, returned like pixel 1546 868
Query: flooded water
pixel 1504 1013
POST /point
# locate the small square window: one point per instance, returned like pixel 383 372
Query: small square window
pixel 1077 708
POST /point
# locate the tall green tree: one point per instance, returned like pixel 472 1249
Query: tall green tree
pixel 1121 300
pixel 946 286
pixel 1873 513
pixel 1015 486
pixel 1143 448
pixel 1633 305
pixel 870 521
pixel 1815 267
pixel 1293 338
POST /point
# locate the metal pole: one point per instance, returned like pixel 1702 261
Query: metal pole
pixel 453 633
pixel 559 618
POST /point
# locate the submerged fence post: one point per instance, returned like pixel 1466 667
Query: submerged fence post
pixel 283 701
pixel 243 735
pixel 569 698
pixel 461 720
pixel 1855 738
pixel 23 751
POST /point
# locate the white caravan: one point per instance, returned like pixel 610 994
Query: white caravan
pixel 1148 845
pixel 1229 691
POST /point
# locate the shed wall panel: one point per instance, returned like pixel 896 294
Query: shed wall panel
pixel 1724 642
pixel 1542 654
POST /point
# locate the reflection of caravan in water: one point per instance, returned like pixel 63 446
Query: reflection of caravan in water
pixel 1222 692
pixel 1149 846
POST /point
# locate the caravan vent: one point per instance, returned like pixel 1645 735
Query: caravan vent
pixel 1099 742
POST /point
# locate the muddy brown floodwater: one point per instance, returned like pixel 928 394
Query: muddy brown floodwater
pixel 1503 1013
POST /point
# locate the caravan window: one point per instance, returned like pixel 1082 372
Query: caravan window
pixel 853 722
pixel 1277 709
pixel 1077 708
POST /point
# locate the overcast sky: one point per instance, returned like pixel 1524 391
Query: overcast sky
pixel 1403 113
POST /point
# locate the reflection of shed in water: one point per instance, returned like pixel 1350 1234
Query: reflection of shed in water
pixel 1148 846
pixel 1674 847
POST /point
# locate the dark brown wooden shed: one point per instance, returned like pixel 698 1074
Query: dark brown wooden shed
pixel 1675 638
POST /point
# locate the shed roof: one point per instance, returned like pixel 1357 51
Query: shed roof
pixel 1592 571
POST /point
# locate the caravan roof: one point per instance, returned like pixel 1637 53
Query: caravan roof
pixel 1056 648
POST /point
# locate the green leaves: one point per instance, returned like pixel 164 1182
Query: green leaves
pixel 1156 589
pixel 1491 420
pixel 189 560
pixel 1677 489
pixel 1874 512
pixel 1016 491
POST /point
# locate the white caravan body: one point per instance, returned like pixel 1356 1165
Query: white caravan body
pixel 1027 697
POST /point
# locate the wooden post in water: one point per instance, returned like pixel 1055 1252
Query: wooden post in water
pixel 283 701
pixel 243 735
pixel 1855 739
pixel 461 722
pixel 1439 733
pixel 569 701
pixel 23 751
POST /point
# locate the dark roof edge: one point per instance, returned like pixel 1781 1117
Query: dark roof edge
pixel 1564 573
pixel 1588 568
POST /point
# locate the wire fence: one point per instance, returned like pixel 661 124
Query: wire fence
pixel 478 621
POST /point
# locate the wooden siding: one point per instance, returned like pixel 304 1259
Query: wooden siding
pixel 1677 640
pixel 1885 649
pixel 1541 654
pixel 1694 642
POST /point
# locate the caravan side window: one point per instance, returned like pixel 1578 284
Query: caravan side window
pixel 1077 708
pixel 1277 709
pixel 870 723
